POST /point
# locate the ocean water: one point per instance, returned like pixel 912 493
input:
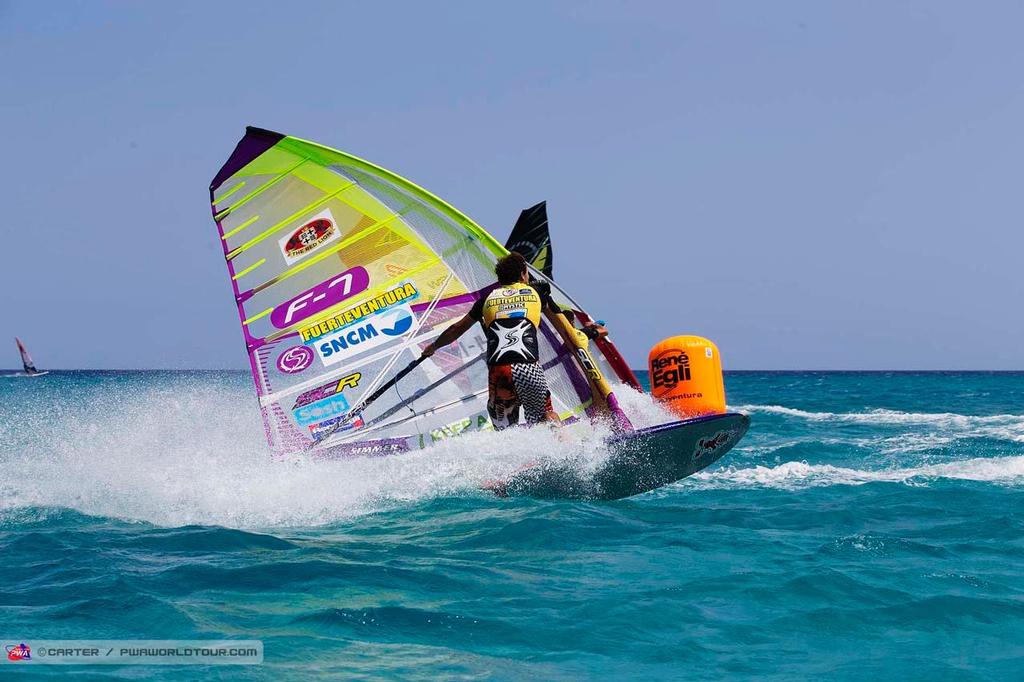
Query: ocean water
pixel 869 525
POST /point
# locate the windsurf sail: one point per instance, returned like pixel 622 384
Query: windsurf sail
pixel 342 273
pixel 531 237
pixel 26 359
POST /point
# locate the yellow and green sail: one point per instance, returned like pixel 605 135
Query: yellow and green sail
pixel 342 272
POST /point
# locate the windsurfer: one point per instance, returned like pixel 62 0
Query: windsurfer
pixel 510 316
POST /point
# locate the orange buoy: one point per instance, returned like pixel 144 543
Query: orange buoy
pixel 686 375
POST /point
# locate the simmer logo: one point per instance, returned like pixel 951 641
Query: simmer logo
pixel 295 360
pixel 670 368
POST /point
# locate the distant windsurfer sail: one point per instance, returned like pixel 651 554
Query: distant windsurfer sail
pixel 26 360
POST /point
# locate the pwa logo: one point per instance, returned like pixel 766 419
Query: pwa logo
pixel 670 368
pixel 19 652
pixel 381 330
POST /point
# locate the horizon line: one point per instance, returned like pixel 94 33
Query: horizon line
pixel 726 371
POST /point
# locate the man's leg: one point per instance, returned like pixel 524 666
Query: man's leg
pixel 502 403
pixel 531 387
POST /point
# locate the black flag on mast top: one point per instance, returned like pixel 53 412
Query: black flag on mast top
pixel 530 238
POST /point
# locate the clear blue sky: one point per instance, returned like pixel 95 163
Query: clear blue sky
pixel 810 184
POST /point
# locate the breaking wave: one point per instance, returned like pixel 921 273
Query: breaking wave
pixel 999 426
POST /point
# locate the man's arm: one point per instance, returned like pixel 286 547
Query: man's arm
pixel 595 330
pixel 543 289
pixel 449 335
pixel 592 330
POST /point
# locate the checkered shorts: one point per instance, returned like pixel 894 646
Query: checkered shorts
pixel 512 386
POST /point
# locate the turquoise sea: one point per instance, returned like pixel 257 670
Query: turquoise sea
pixel 870 526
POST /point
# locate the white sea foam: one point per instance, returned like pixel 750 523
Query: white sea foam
pixel 195 453
pixel 198 456
pixel 882 416
pixel 643 410
pixel 999 426
pixel 793 475
pixel 910 443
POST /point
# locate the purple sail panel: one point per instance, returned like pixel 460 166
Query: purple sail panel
pixel 255 142
pixel 321 297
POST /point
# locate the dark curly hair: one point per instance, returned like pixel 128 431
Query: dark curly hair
pixel 509 268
